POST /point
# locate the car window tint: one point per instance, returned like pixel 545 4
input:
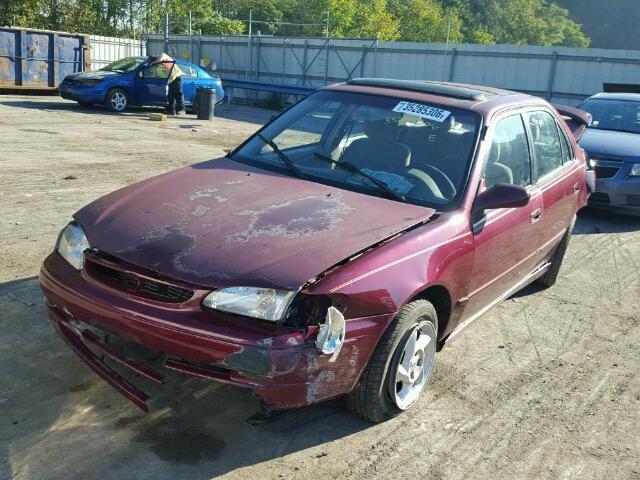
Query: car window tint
pixel 546 142
pixel 509 160
pixel 567 151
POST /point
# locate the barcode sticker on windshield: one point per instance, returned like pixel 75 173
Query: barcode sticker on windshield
pixel 422 111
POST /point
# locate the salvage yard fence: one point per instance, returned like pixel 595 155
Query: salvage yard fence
pixel 560 74
pixel 105 50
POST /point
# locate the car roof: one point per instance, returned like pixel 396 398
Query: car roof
pixel 484 100
pixel 634 97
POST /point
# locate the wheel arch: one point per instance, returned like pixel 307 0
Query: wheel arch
pixel 442 301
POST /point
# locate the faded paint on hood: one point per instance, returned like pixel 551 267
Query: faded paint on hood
pixel 223 223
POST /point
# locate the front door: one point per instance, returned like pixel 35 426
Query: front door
pixel 151 83
pixel 506 240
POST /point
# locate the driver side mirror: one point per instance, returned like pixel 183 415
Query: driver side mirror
pixel 502 195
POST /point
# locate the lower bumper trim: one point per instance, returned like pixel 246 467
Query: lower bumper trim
pixel 74 340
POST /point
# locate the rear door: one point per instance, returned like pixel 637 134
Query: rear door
pixel 151 83
pixel 506 240
pixel 557 174
pixel 189 82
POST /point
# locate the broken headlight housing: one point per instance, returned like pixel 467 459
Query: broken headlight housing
pixel 264 303
pixel 71 245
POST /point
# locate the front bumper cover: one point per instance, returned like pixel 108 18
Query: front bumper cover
pixel 285 369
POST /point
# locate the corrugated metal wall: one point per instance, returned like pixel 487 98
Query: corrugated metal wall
pixel 564 75
pixel 39 59
pixel 105 50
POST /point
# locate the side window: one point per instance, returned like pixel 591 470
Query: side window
pixel 546 142
pixel 509 160
pixel 159 70
pixel 187 71
pixel 567 151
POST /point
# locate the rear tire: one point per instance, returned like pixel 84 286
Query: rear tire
pixel 117 100
pixel 394 378
pixel 551 276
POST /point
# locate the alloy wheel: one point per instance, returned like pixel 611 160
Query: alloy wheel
pixel 415 364
pixel 118 101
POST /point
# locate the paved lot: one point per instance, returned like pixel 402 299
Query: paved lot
pixel 545 386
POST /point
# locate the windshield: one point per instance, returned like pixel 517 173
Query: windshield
pixel 371 144
pixel 618 115
pixel 124 65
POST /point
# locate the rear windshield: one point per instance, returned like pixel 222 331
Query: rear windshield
pixel 420 151
pixel 618 115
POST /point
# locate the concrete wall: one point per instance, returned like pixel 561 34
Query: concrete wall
pixel 565 75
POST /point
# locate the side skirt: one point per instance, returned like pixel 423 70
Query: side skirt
pixel 535 274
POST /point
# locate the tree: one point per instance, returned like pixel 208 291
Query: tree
pixel 426 21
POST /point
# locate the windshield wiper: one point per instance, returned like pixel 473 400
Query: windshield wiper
pixel 352 168
pixel 286 160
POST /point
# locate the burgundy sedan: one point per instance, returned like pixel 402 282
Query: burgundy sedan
pixel 333 253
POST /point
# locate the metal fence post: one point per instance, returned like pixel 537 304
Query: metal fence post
pixel 452 64
pixel 284 59
pixel 552 75
pixel 304 63
pixel 166 33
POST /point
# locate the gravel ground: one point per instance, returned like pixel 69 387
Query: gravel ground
pixel 545 386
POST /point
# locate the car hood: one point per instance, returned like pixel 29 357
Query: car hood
pixel 95 74
pixel 222 223
pixel 622 145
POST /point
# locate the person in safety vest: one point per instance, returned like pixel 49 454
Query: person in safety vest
pixel 167 68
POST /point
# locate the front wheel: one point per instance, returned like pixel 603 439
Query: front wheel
pixel 400 366
pixel 117 100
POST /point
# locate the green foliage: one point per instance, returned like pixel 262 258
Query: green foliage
pixel 535 22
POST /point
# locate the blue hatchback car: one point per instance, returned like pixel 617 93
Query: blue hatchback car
pixel 132 81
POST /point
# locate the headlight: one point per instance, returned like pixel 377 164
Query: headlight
pixel 92 82
pixel 71 245
pixel 264 303
pixel 635 170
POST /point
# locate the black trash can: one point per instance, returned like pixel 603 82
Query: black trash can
pixel 206 103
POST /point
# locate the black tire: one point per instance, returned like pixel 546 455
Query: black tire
pixel 551 276
pixel 372 398
pixel 117 100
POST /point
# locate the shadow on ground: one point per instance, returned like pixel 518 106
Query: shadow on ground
pixel 232 112
pixel 592 221
pixel 52 406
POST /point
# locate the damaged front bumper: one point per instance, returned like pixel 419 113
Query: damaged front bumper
pixel 283 366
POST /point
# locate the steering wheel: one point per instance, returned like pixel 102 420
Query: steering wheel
pixel 443 181
pixel 427 181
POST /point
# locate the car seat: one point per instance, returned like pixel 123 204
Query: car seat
pixel 380 150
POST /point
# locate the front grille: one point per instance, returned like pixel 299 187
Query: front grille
pixel 599 197
pixel 605 172
pixel 118 275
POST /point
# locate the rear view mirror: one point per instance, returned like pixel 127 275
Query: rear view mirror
pixel 502 195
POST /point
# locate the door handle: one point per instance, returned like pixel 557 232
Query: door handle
pixel 576 188
pixel 536 215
